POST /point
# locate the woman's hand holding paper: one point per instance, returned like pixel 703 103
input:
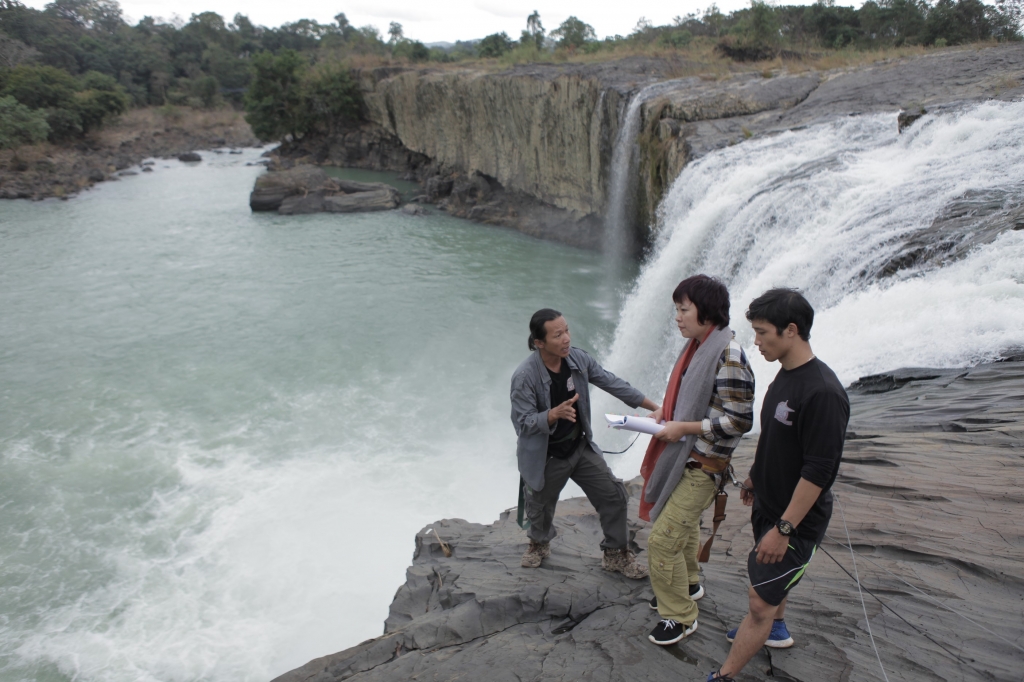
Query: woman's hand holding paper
pixel 672 433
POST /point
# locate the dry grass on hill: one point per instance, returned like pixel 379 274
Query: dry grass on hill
pixel 699 58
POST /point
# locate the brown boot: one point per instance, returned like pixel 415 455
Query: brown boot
pixel 535 553
pixel 622 561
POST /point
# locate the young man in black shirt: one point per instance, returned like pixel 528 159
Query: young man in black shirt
pixel 803 426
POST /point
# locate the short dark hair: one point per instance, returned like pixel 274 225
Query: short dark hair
pixel 537 330
pixel 710 297
pixel 782 307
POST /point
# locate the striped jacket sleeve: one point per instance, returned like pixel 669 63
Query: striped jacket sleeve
pixel 732 409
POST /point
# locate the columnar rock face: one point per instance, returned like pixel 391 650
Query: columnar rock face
pixel 928 491
pixel 547 138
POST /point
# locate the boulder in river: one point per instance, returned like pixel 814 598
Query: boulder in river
pixel 190 157
pixel 308 189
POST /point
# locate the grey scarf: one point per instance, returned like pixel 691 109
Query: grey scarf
pixel 691 406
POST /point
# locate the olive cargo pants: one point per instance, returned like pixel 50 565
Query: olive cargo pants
pixel 674 543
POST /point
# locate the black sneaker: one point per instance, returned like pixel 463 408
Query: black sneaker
pixel 654 602
pixel 669 632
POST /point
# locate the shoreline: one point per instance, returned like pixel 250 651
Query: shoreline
pixel 50 171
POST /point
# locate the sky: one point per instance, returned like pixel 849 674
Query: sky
pixel 445 21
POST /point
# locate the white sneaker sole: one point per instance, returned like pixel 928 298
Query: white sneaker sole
pixel 779 643
pixel 669 642
pixel 771 644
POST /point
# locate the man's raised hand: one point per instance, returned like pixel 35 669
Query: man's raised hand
pixel 564 411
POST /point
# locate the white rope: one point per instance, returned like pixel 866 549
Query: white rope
pixel 925 594
pixel 856 577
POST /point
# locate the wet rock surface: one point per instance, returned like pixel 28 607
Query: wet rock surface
pixel 308 189
pixel 929 491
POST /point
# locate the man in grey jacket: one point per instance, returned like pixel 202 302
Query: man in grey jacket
pixel 551 415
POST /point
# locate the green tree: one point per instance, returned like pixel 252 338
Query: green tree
pixel 40 87
pixel 1007 19
pixel 494 45
pixel 957 22
pixel 395 33
pixel 206 90
pixel 99 99
pixel 533 24
pixel 20 125
pixel 413 50
pixel 332 96
pixel 713 19
pixel 534 31
pixel 274 103
pixel 573 33
pixel 762 25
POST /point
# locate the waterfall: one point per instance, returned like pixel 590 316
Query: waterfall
pixel 618 239
pixel 910 247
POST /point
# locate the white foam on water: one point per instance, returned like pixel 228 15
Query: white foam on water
pixel 821 210
pixel 247 568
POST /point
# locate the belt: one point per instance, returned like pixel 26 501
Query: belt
pixel 693 464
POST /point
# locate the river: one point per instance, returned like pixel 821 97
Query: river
pixel 221 430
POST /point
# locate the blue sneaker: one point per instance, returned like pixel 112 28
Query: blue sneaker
pixel 717 676
pixel 778 639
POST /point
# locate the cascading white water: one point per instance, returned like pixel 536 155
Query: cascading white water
pixel 622 178
pixel 822 210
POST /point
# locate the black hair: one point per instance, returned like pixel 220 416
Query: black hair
pixel 537 330
pixel 782 307
pixel 710 297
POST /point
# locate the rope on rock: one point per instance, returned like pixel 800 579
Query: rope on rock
pixel 860 591
pixel 919 630
pixel 922 593
pixel 893 611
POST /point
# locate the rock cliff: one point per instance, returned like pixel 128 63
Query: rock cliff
pixel 532 147
pixel 928 489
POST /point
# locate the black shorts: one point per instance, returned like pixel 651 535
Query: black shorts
pixel 772 582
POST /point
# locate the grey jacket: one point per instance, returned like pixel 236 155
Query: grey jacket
pixel 531 400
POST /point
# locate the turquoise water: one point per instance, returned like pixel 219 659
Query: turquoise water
pixel 220 431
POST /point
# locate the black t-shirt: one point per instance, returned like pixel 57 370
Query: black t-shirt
pixel 567 434
pixel 803 426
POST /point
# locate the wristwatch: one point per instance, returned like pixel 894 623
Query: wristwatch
pixel 784 527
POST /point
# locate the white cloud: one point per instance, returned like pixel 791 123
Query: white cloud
pixel 430 22
pixel 504 9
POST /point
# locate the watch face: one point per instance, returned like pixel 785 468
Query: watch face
pixel 785 527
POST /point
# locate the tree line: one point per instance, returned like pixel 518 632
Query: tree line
pixel 69 67
pixel 763 30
